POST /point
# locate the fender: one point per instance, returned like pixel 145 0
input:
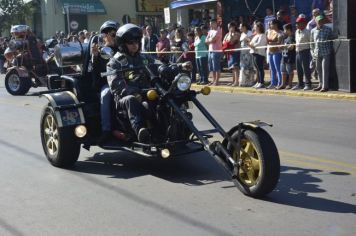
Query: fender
pixel 68 109
pixel 247 125
pixel 21 71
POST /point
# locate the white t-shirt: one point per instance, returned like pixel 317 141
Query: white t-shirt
pixel 257 41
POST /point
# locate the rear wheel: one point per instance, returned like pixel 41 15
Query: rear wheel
pixel 260 165
pixel 16 85
pixel 59 144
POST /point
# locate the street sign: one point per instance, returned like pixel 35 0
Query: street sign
pixel 74 25
pixel 167 15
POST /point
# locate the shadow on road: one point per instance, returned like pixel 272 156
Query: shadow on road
pixel 294 189
pixel 295 186
pixel 198 169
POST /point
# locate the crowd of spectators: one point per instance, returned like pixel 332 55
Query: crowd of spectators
pixel 284 41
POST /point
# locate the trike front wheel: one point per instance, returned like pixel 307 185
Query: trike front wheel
pixel 259 168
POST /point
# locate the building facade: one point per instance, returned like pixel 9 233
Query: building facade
pixel 76 15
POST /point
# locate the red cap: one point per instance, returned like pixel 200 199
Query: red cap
pixel 301 20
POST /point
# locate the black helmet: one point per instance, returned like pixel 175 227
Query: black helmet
pixel 128 32
pixel 109 25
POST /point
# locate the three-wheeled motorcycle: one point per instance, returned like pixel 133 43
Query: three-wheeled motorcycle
pixel 71 120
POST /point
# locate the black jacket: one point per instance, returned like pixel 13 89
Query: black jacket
pixel 130 81
pixel 98 65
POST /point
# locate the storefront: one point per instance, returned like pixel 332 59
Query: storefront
pixel 76 15
pixel 233 9
pixel 150 12
pixel 194 12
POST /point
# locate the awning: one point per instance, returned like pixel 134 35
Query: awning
pixel 183 3
pixel 83 7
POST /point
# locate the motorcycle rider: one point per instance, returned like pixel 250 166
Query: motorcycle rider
pixel 98 65
pixel 127 85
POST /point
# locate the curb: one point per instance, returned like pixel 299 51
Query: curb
pixel 327 95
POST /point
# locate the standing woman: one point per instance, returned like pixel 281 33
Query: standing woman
pixel 177 44
pixel 246 59
pixel 232 41
pixel 201 55
pixel 275 37
pixel 259 54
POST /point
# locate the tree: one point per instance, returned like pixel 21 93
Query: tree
pixel 13 12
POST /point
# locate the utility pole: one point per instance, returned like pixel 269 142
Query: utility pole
pixel 68 23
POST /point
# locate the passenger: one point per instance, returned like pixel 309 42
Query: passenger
pixel 108 31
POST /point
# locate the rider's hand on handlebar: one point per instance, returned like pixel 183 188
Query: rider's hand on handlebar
pixel 188 66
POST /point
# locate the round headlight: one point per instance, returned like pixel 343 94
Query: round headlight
pixel 80 131
pixel 184 82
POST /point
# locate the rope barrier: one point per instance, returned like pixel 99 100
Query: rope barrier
pixel 249 48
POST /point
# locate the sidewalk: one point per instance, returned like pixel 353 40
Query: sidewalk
pixel 226 78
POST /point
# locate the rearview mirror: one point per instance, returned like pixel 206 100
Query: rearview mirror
pixel 106 53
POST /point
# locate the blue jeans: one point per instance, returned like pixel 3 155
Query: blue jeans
pixel 275 67
pixel 202 66
pixel 105 108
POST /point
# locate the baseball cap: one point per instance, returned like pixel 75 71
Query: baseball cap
pixel 301 19
pixel 319 18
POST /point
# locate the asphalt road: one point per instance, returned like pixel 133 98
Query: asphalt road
pixel 113 193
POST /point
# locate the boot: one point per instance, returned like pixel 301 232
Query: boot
pixel 290 81
pixel 284 81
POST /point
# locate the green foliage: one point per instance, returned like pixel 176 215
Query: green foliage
pixel 13 12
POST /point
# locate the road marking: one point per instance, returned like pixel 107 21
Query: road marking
pixel 318 159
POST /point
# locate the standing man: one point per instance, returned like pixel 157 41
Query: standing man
pixel 312 23
pixel 214 41
pixel 293 16
pixel 163 45
pixel 302 37
pixel 321 50
pixel 269 17
pixel 150 41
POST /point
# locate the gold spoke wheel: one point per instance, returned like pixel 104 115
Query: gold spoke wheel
pixel 250 169
pixel 51 135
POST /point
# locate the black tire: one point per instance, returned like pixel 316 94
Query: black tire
pixel 16 85
pixel 65 148
pixel 264 149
